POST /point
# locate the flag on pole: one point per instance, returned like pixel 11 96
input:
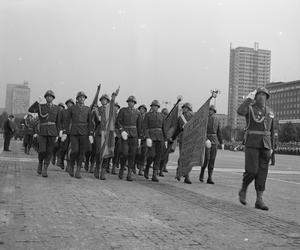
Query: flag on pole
pixel 170 122
pixel 193 141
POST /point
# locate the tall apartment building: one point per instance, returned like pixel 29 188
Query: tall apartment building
pixel 285 101
pixel 249 69
pixel 17 98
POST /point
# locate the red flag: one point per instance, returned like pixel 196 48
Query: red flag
pixel 193 141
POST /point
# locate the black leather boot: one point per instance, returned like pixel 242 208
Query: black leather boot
pixel 259 204
pixel 44 170
pixel 154 176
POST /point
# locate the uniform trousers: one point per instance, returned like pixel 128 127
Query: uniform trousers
pixel 46 146
pixel 256 167
pixel 128 151
pixel 79 144
pixel 155 154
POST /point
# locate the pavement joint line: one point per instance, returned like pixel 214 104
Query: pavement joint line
pixel 280 227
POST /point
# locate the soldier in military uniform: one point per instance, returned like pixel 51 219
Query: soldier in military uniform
pixel 214 136
pixel 259 143
pixel 48 130
pixel 28 133
pixel 140 158
pixel 101 119
pixel 153 125
pixel 116 157
pixel 187 114
pixel 80 133
pixel 64 118
pixel 165 155
pixel 56 150
pixel 129 125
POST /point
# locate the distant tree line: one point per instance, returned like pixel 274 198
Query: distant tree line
pixel 288 132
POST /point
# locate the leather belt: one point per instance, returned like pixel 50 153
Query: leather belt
pixel 47 123
pixel 256 132
pixel 129 126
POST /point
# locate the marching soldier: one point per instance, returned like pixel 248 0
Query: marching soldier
pixel 142 150
pixel 104 134
pixel 165 156
pixel 56 150
pixel 259 143
pixel 153 125
pixel 48 130
pixel 187 114
pixel 129 125
pixel 214 135
pixel 28 133
pixel 80 133
pixel 116 157
pixel 64 118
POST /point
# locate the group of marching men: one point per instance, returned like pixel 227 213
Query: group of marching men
pixel 98 137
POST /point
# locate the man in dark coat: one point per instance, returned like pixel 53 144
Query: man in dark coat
pixel 259 143
pixel 153 125
pixel 129 125
pixel 8 129
pixel 48 130
pixel 80 133
pixel 214 137
pixel 29 130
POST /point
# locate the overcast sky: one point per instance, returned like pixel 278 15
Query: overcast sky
pixel 153 49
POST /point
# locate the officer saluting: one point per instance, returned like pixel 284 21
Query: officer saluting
pixel 49 124
pixel 259 143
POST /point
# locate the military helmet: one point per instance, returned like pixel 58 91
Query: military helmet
pixel 142 106
pixel 69 100
pixel 263 90
pixel 81 93
pixel 187 105
pixel 155 103
pixel 213 107
pixel 61 105
pixel 131 98
pixel 117 105
pixel 49 92
pixel 165 111
pixel 104 96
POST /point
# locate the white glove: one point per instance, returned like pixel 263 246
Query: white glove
pixel 40 99
pixel 35 135
pixel 139 143
pixel 222 146
pixel 124 135
pixel 149 142
pixel 56 138
pixel 271 151
pixel 166 144
pixel 252 94
pixel 63 137
pixel 60 133
pixel 208 143
pixel 91 139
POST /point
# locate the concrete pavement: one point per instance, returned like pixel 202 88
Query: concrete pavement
pixel 60 212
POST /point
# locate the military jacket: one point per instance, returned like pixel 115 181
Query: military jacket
pixel 101 118
pixel 130 120
pixel 48 118
pixel 260 128
pixel 153 126
pixel 180 125
pixel 81 120
pixel 214 133
pixel 64 120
